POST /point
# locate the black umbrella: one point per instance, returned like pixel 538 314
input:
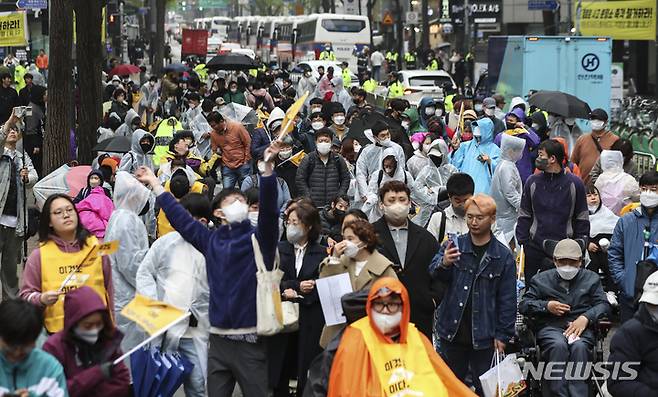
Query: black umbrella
pixel 116 144
pixel 361 124
pixel 176 67
pixel 560 103
pixel 231 61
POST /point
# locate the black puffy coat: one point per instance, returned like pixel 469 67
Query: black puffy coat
pixel 322 182
pixel 636 341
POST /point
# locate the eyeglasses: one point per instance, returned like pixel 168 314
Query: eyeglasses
pixel 479 218
pixel 61 212
pixel 392 307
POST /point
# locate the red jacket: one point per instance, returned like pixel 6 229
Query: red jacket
pixel 86 381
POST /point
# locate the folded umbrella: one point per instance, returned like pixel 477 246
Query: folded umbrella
pixel 178 369
pixel 124 69
pixel 365 123
pixel 115 144
pixel 240 113
pixel 231 61
pixel 560 103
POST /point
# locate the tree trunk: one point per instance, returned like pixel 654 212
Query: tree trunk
pixel 89 55
pixel 158 40
pixel 60 106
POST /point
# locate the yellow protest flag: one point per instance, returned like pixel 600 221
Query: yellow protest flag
pixel 289 120
pixel 151 315
pixel 297 158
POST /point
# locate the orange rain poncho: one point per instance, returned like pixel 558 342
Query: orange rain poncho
pixel 365 356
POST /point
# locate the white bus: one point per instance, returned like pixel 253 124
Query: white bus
pixel 345 33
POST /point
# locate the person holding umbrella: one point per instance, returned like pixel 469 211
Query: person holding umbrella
pixel 87 346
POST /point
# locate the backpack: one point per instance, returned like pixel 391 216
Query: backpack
pixel 381 176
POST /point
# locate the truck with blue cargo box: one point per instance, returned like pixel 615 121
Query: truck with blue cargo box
pixel 577 65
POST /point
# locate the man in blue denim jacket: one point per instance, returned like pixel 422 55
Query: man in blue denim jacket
pixel 479 308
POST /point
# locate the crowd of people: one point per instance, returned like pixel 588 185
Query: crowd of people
pixel 425 208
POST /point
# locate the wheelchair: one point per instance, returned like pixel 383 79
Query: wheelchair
pixel 529 351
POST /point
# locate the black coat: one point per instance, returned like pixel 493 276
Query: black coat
pixel 311 319
pixel 8 101
pixel 322 182
pixel 636 341
pixel 424 293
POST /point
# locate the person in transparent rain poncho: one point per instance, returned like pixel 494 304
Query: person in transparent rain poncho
pixel 369 161
pixel 391 168
pixel 617 187
pixel 130 200
pixel 506 186
pixel 431 181
pixel 163 275
pixel 561 127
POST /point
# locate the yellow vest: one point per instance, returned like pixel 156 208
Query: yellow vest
pixel 370 85
pixel 409 57
pixel 395 90
pixel 402 368
pixel 163 225
pixel 448 103
pixel 434 65
pixel 347 78
pixel 56 265
pixel 327 55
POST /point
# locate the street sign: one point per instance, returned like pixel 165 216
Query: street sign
pixel 32 4
pixel 412 18
pixel 388 19
pixel 548 5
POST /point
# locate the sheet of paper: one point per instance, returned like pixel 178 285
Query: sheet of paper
pixel 330 290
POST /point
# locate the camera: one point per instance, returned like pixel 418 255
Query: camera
pixel 22 111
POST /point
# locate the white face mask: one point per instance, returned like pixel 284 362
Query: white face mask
pixel 294 234
pixel 535 126
pixel 339 120
pixel 357 147
pixel 396 212
pixel 89 336
pixel 324 148
pixel 316 125
pixel 253 218
pixel 489 112
pixel 430 111
pixel 415 145
pixel 405 125
pixel 386 323
pixel 597 125
pixel 285 154
pixel 478 107
pixel 351 249
pixel 386 142
pixel 649 199
pixel 567 272
pixel 236 212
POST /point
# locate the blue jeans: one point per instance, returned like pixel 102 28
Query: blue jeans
pixel 232 176
pixel 194 384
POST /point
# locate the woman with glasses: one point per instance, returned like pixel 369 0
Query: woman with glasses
pixel 63 262
pixel 301 255
pixel 356 255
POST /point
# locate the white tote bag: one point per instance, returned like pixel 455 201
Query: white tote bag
pixel 504 378
pixel 269 312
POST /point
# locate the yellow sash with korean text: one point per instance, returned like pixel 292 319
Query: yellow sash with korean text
pixel 403 369
pixel 56 268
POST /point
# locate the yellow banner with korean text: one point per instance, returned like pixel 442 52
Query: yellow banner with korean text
pixel 13 29
pixel 621 20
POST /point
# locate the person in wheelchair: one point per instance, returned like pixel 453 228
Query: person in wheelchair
pixel 636 341
pixel 564 304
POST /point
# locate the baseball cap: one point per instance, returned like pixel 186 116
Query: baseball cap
pixel 568 249
pixel 650 290
pixel 598 114
pixel 489 103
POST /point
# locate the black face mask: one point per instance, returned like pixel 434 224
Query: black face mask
pixel 146 147
pixel 511 126
pixel 339 214
pixel 437 160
